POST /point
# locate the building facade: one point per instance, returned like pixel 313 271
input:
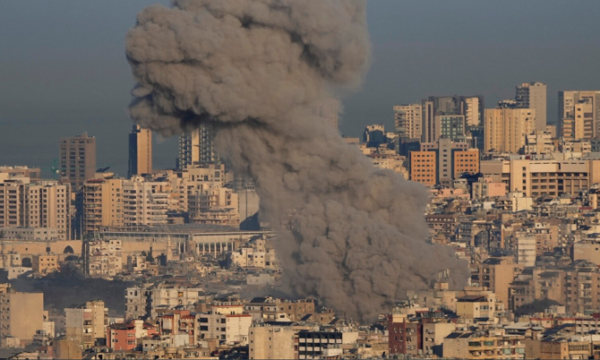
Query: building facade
pixel 45 204
pixel 532 95
pixel 505 129
pixel 145 202
pixel 543 177
pixel 102 204
pixel 140 151
pixel 21 315
pixel 78 159
pixel 196 147
pixel 407 121
pixel 579 114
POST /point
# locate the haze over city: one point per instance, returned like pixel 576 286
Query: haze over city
pixel 296 179
pixel 64 71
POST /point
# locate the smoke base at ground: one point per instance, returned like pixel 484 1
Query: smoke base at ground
pixel 258 71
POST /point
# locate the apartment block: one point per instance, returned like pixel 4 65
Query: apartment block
pixel 21 316
pixel 451 114
pixel 443 161
pixel 423 167
pixel 273 309
pixel 87 323
pixel 102 204
pixel 323 344
pixel 45 204
pixel 453 127
pixel 227 328
pixel 579 114
pixel 495 274
pixel 543 177
pixel 12 206
pixel 78 159
pixel 466 162
pixel 145 202
pixel 272 342
pixel 214 205
pixel 45 264
pixel 140 151
pixel 473 345
pixel 407 121
pixel 196 147
pixel 506 128
pixel 146 301
pixel 532 95
pixel 103 258
pixel 9 172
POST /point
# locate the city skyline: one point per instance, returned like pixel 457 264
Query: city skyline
pixel 83 79
pixel 356 180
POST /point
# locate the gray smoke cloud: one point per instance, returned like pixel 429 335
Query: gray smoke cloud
pixel 257 70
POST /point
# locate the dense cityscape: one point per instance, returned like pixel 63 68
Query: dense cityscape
pixel 513 196
pixel 277 230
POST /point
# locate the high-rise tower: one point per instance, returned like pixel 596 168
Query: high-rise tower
pixel 140 151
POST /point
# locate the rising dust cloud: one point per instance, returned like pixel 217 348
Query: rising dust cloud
pixel 351 235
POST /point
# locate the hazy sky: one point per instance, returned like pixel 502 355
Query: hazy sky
pixel 63 69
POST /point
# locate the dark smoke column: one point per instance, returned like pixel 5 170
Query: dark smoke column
pixel 257 70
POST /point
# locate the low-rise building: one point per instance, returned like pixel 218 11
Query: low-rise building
pixel 227 328
pixel 272 342
pixel 45 264
pixel 103 258
pixel 474 345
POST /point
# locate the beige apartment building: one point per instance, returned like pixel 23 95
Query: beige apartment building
pixel 505 129
pixel 87 323
pixel 103 258
pixel 102 204
pixel 21 315
pixel 543 177
pixel 214 205
pixel 495 274
pixel 48 205
pixel 579 114
pixel 78 159
pixel 272 342
pixel 45 264
pixel 45 204
pixel 532 95
pixel 407 121
pixel 473 345
pixel 145 202
pixel 34 174
pixel 140 151
pixel 147 300
pixel 191 180
pixel 11 204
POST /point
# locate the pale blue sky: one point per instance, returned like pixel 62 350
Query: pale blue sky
pixel 63 69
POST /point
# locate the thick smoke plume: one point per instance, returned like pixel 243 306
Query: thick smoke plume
pixel 258 71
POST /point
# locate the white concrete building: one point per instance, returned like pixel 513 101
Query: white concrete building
pixel 145 202
pixel 407 121
pixel 229 329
